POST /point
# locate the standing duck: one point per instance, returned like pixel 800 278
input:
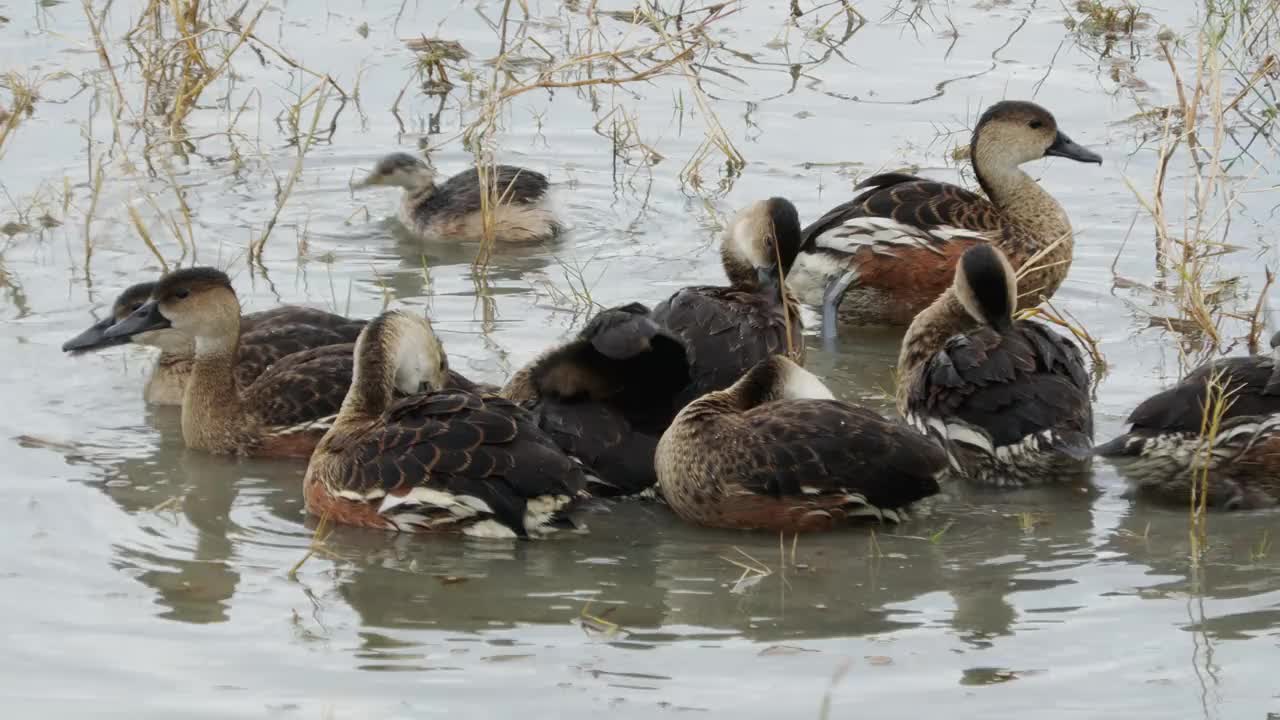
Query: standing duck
pixel 1165 450
pixel 282 413
pixel 266 336
pixel 776 451
pixel 607 396
pixel 453 210
pixel 882 257
pixel 728 330
pixel 440 461
pixel 1009 400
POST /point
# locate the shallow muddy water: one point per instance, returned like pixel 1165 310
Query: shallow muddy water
pixel 138 579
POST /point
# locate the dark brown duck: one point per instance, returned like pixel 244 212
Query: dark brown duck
pixel 437 461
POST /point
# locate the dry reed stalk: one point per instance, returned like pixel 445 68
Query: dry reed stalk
pixel 1218 399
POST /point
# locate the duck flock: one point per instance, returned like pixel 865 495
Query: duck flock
pixel 702 401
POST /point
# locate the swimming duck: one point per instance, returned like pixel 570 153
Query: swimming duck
pixel 440 461
pixel 1009 400
pixel 1165 451
pixel 282 413
pixel 776 451
pixel 606 397
pixel 728 330
pixel 266 336
pixel 451 210
pixel 882 257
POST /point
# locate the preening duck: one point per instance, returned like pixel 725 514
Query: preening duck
pixel 1009 400
pixel 452 210
pixel 882 257
pixel 281 413
pixel 606 397
pixel 777 452
pixel 728 330
pixel 266 336
pixel 439 461
pixel 1165 450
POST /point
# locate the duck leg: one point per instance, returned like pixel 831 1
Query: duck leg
pixel 830 303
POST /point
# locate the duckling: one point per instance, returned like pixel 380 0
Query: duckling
pixel 776 451
pixel 440 461
pixel 282 413
pixel 266 336
pixel 607 396
pixel 1164 451
pixel 451 211
pixel 882 257
pixel 1009 400
pixel 728 330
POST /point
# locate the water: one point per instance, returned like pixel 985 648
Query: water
pixel 138 579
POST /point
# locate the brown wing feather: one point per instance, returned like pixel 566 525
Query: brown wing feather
pixel 301 387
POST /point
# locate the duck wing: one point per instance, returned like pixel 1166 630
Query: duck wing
pixel 898 211
pixel 296 315
pixel 725 332
pixel 810 448
pixel 452 457
pixel 1181 407
pixel 618 456
pixel 1003 387
pixel 461 193
pixel 301 388
pixel 270 342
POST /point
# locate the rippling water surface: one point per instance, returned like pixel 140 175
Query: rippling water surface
pixel 138 579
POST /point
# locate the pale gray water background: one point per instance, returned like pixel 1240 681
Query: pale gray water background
pixel 138 579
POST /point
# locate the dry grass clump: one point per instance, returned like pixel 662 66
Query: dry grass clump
pixel 1099 18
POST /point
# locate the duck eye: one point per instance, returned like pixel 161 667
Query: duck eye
pixel 181 293
pixel 1036 124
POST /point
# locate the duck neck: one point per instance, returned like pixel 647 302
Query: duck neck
pixel 421 188
pixel 212 400
pixel 926 336
pixel 1021 199
pixel 372 380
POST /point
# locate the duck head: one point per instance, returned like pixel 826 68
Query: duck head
pixel 760 243
pixel 986 287
pixel 402 170
pixel 777 378
pixel 1013 132
pixel 95 337
pixel 196 302
pixel 398 350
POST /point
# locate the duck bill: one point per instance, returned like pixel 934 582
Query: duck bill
pixel 1064 146
pixel 767 277
pixel 145 318
pixel 368 181
pixel 94 338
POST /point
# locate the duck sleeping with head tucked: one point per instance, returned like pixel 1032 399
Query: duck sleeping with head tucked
pixel 1009 399
pixel 606 396
pixel 882 257
pixel 1166 449
pixel 454 209
pixel 728 330
pixel 437 461
pixel 776 451
pixel 266 336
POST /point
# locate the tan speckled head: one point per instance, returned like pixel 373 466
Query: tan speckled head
pixel 198 302
pixel 396 350
pixel 1013 132
pixel 757 238
pixel 402 170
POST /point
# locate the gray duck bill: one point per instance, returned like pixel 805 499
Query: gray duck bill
pixel 145 318
pixel 1064 146
pixel 94 338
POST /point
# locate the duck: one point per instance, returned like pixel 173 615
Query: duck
pixel 728 330
pixel 452 211
pixel 606 396
pixel 266 336
pixel 882 257
pixel 1165 449
pixel 439 460
pixel 282 413
pixel 1008 399
pixel 776 451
